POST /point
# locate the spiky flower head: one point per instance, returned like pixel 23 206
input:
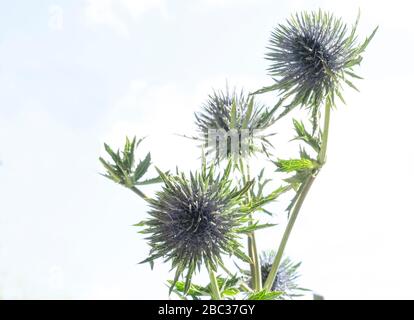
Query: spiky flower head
pixel 231 123
pixel 312 55
pixel 286 276
pixel 195 220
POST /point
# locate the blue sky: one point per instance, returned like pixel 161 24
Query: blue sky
pixel 76 73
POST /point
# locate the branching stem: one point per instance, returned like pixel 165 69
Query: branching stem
pixel 299 200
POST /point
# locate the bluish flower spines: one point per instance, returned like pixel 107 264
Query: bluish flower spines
pixel 311 56
pixel 194 220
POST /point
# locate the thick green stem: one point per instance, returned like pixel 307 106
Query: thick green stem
pixel 325 133
pixel 251 256
pixel 255 269
pixel 139 193
pixel 300 199
pixel 275 266
pixel 215 290
pixel 257 273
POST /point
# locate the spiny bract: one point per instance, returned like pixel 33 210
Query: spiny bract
pixel 286 275
pixel 195 220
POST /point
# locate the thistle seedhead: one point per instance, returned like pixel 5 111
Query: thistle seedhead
pixel 311 56
pixel 286 277
pixel 195 220
pixel 232 117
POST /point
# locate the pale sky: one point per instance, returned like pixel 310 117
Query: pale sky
pixel 74 74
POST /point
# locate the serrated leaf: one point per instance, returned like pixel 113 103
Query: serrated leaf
pixel 292 165
pixel 112 174
pixel 142 167
pixel 243 190
pixel 255 226
pixel 305 136
pixel 242 256
pixel 149 181
pixel 193 291
pixel 115 157
pixel 265 295
pixel 230 292
pixel 122 170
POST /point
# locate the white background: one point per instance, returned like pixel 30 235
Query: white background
pixel 76 73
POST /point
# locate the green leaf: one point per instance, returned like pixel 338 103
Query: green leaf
pixel 233 116
pixel 265 295
pixel 178 272
pixel 353 62
pixel 305 136
pixel 115 157
pixel 189 276
pixel 140 224
pixel 122 170
pixel 339 94
pixel 253 227
pixel 349 83
pixel 230 292
pixel 193 291
pixel 367 41
pixel 142 167
pixel 258 200
pixel 238 193
pixel 273 87
pixel 113 175
pixel 242 256
pixel 288 109
pixel 354 28
pixel 149 181
pixel 296 165
pixel 353 75
pixel 248 113
pixel 128 154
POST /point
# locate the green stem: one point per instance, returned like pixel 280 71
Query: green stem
pixel 301 198
pixel 255 269
pixel 257 272
pixel 324 143
pixel 251 256
pixel 215 290
pixel 275 266
pixel 139 193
